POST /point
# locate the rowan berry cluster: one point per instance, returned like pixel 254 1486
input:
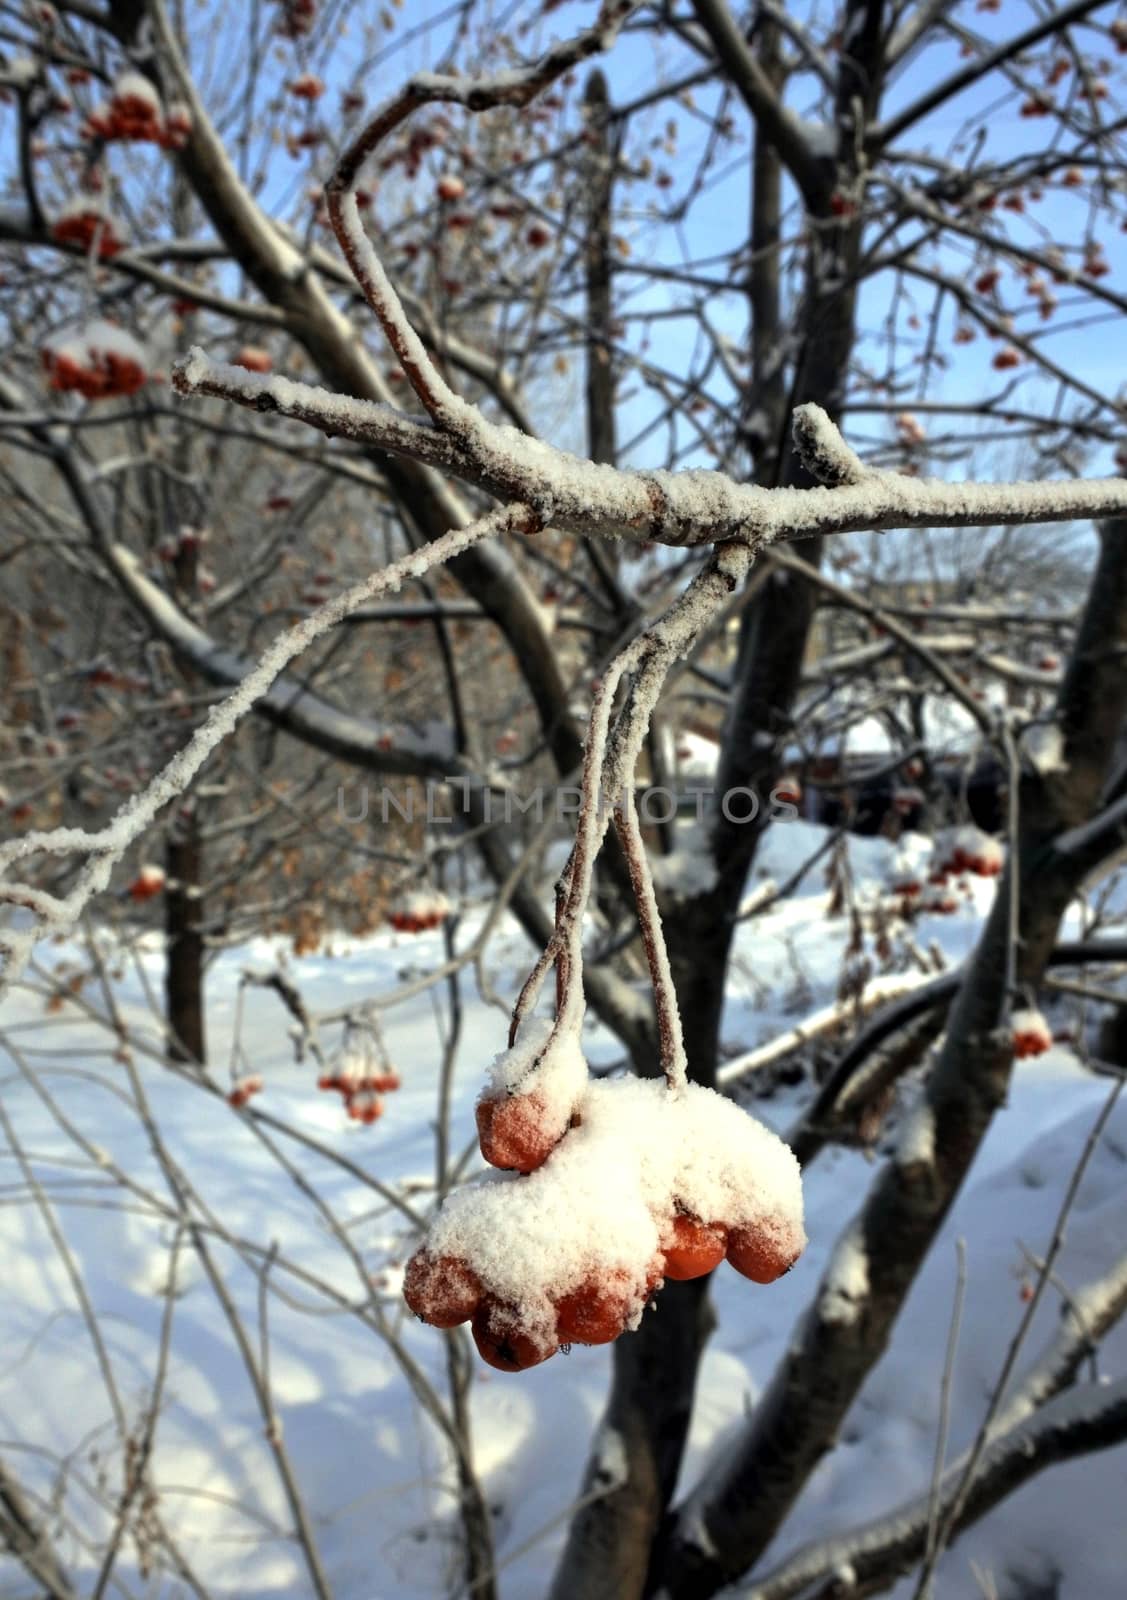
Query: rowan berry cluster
pixel 243 1089
pixel 134 112
pixel 85 222
pixel 611 1188
pixel 100 362
pixel 420 911
pixel 150 881
pixel 361 1074
pixel 968 850
pixel 1032 1035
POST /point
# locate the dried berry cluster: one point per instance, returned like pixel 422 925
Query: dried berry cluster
pixel 611 1187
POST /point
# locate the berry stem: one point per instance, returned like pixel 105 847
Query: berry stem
pixel 670 1036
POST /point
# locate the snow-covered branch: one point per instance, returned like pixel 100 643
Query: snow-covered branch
pixel 687 508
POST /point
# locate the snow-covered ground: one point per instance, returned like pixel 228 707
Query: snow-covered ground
pixel 371 1467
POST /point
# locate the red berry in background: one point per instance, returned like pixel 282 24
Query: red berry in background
pixel 538 235
pixel 363 1106
pixel 148 882
pixel 450 187
pixel 81 222
pixel 242 1090
pixel 504 1342
pixel 761 1254
pixel 442 1290
pixel 1032 1035
pixel 254 359
pixel 694 1249
pixel 514 1132
pixel 307 87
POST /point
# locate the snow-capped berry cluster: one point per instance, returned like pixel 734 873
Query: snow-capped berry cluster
pixel 616 1187
pixel 360 1075
pixel 933 888
pixel 906 875
pixel 99 361
pixel 972 850
pixel 419 911
pixel 243 1088
pixel 150 881
pixel 134 112
pixel 86 221
pixel 1032 1035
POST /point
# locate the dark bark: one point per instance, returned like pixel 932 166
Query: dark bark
pixel 602 440
pixel 184 953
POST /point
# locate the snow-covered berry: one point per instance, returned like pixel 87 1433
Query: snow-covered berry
pixel 1032 1035
pixel 243 1088
pixel 150 880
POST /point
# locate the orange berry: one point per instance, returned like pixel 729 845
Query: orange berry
pixel 595 1313
pixel 503 1343
pixel 512 1131
pixel 695 1248
pixel 442 1290
pixel 762 1254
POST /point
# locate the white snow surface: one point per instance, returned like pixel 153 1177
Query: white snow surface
pixel 372 1467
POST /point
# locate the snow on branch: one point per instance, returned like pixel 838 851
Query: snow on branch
pixel 685 508
pixel 105 848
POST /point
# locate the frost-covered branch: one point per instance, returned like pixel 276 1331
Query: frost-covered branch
pixel 684 509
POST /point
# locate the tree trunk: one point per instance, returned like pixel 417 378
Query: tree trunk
pixel 184 963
